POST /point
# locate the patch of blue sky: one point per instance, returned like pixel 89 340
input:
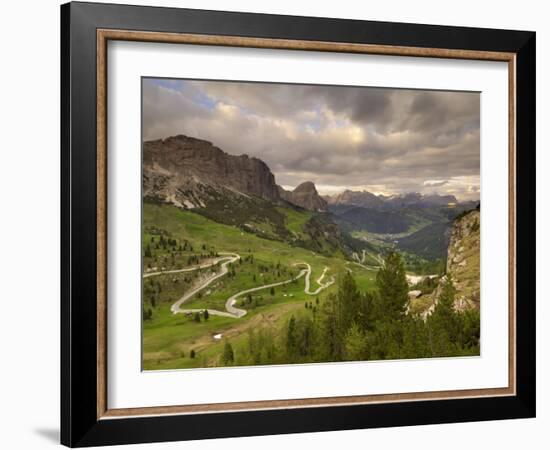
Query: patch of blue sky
pixel 314 124
pixel 191 91
pixel 167 83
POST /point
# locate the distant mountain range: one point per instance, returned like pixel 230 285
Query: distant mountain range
pixel 187 171
pixel 365 199
pixel 240 190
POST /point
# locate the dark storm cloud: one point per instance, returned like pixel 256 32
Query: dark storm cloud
pixel 383 140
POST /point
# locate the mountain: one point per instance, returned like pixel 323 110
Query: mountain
pixel 430 242
pixel 416 223
pixel 306 196
pixel 187 172
pixel 193 173
pixel 363 199
pixel 240 191
pixel 417 200
pixel 373 220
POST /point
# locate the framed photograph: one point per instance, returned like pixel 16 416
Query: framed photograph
pixel 276 224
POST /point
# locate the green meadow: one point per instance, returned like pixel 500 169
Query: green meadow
pixel 174 239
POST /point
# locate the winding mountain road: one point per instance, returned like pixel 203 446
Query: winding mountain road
pixel 188 269
pixel 236 312
pixel 322 286
pixel 175 308
pixel 231 310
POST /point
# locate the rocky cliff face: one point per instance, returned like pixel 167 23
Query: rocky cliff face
pixel 187 172
pixel 364 199
pixel 462 267
pixel 191 173
pixel 463 260
pixel 306 196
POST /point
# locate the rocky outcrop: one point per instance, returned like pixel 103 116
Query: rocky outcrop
pixel 462 268
pixel 463 259
pixel 306 196
pixel 187 171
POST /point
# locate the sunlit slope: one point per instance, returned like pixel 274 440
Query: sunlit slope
pixel 168 338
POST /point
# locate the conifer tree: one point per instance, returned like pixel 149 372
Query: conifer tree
pixel 355 343
pixel 147 251
pixel 349 303
pixel 291 338
pixel 392 287
pixel 228 354
pixel 444 325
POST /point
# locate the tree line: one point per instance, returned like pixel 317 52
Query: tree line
pixel 350 325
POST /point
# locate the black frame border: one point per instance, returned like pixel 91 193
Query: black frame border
pixel 79 424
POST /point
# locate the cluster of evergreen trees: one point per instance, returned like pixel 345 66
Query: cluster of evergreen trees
pixel 353 325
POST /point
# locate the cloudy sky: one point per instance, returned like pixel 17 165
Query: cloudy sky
pixel 386 141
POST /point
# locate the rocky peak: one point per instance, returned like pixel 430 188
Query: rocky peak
pixel 306 196
pixel 180 166
pixel 307 187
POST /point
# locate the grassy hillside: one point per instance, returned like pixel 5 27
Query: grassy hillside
pixel 430 242
pixel 375 221
pixel 290 224
pixel 175 238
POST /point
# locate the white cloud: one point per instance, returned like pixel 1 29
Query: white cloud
pixel 382 140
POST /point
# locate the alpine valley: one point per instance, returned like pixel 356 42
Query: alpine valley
pixel 238 270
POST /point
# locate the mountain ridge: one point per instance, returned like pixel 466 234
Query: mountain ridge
pixel 190 173
pixel 366 199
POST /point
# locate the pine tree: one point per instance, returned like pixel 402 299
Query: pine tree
pixel 291 338
pixel 470 322
pixel 415 338
pixel 392 287
pixel 349 302
pixel 228 356
pixel 330 348
pixel 355 343
pixel 444 324
pixel 305 336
